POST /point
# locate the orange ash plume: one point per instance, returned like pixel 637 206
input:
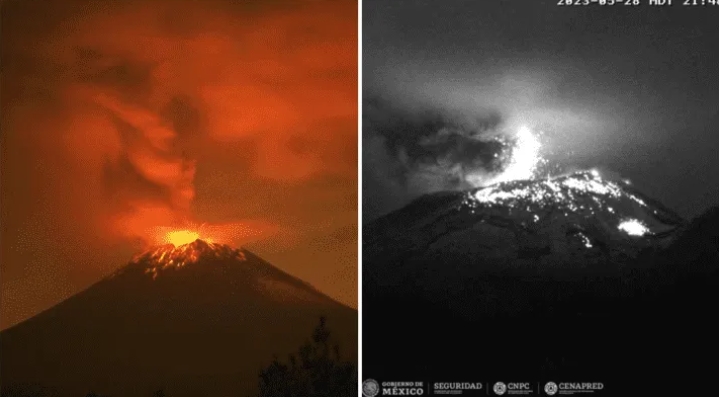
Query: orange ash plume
pixel 245 82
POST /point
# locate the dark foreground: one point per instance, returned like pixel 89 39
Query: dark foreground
pixel 652 327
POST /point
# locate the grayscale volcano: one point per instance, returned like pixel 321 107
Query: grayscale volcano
pixel 199 319
pixel 576 275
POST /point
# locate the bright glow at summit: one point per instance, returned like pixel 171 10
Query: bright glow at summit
pixel 584 193
pixel 181 237
pixel 524 159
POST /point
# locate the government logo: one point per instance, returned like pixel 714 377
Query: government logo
pixel 550 388
pixel 370 388
pixel 500 388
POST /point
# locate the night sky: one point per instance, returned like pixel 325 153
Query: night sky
pixel 630 91
pixel 124 119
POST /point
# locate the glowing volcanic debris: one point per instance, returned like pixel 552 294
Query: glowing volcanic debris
pixel 584 192
pixel 171 256
pixel 585 240
pixel 633 227
pixel 524 158
pixel 560 189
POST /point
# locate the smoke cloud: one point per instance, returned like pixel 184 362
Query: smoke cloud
pixel 436 148
pixel 428 134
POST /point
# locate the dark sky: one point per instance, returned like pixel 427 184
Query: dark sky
pixel 125 119
pixel 631 91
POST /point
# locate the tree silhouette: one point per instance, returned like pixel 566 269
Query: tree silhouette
pixel 316 370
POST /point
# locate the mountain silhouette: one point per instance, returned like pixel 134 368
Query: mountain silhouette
pixel 199 319
pixel 572 278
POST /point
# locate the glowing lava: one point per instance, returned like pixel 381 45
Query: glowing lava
pixel 181 237
pixel 633 227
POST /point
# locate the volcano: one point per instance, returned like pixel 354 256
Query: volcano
pixel 575 277
pixel 578 222
pixel 196 319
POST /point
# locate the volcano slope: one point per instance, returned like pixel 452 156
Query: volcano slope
pixel 574 278
pixel 198 320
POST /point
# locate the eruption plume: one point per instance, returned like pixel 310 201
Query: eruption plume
pixel 524 158
pixel 521 163
pixel 152 159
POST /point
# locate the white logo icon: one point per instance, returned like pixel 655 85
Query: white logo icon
pixel 370 388
pixel 550 388
pixel 500 388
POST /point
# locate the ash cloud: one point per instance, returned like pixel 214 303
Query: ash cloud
pixel 430 143
pixel 429 128
pixel 423 145
pixel 140 92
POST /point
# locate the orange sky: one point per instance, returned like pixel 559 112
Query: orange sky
pixel 120 119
